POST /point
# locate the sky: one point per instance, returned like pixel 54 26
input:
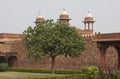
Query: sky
pixel 17 15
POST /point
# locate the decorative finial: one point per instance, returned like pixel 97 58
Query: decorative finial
pixel 64 12
pixel 89 14
pixel 40 15
pixel 63 9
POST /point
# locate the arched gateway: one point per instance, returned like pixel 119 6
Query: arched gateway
pixel 10 58
pixel 103 42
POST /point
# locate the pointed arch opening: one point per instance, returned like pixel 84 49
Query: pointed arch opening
pixel 12 61
pixel 2 59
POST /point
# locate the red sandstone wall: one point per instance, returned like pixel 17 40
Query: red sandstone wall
pixel 91 56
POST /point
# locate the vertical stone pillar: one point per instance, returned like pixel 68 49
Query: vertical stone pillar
pixel 88 26
pixel 92 26
pixel 102 49
pixel 6 58
pixel 84 26
pixel 118 51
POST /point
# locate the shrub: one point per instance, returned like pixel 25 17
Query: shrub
pixel 108 76
pixel 3 67
pixel 38 70
pixel 89 72
pixel 58 77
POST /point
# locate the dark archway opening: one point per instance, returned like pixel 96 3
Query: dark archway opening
pixel 2 59
pixel 12 61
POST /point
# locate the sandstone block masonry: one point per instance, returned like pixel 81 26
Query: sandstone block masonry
pixel 13 52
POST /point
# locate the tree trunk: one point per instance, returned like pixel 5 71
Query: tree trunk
pixel 53 65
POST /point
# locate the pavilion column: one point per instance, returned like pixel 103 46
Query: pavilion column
pixel 88 26
pixel 92 26
pixel 118 51
pixel 84 26
pixel 102 49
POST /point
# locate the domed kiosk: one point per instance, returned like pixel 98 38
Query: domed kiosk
pixel 89 20
pixel 39 19
pixel 64 17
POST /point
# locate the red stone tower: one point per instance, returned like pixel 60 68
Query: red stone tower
pixel 39 19
pixel 64 17
pixel 88 20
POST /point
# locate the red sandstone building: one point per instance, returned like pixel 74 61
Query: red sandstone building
pixel 13 52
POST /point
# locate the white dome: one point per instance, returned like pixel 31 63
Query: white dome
pixel 88 15
pixel 40 15
pixel 64 12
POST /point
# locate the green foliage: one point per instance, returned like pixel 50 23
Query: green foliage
pixel 3 67
pixel 90 72
pixel 38 70
pixel 86 73
pixel 109 76
pixel 52 39
pixel 33 70
pixel 117 75
pixel 57 77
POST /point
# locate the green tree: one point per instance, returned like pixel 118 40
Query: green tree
pixel 52 39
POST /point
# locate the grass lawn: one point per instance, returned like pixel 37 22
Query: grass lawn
pixel 20 75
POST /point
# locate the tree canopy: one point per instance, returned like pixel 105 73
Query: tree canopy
pixel 53 39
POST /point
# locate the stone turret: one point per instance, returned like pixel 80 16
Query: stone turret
pixel 89 21
pixel 64 17
pixel 39 19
